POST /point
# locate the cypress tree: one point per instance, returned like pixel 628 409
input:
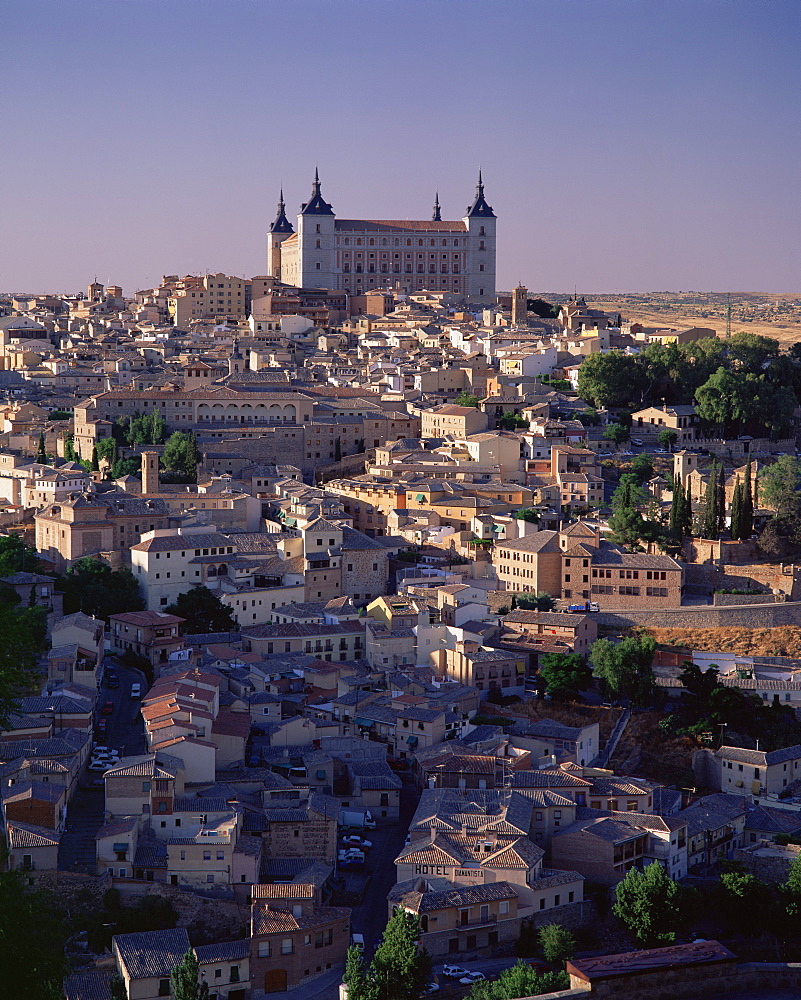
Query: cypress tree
pixel 41 452
pixel 710 519
pixel 721 500
pixel 95 460
pixel 736 510
pixel 687 512
pixel 747 509
pixel 676 510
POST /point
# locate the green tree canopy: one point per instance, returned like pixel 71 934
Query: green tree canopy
pixel 204 612
pixel 642 466
pixel 667 437
pixel 649 904
pixel 41 451
pixel 625 667
pixel 16 556
pixel 185 979
pixel 616 433
pixel 780 486
pixel 466 399
pixel 23 633
pixel 519 981
pixel 565 675
pixel 557 943
pixel 611 379
pixel 399 970
pixel 93 587
pixel 180 456
pixel 32 963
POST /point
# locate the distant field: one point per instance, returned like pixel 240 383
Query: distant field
pixel 777 316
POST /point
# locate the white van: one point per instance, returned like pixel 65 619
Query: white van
pixel 357 940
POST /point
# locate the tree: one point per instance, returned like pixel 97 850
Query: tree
pixel 528 514
pixel 625 667
pixel 117 988
pixel 185 980
pixel 687 525
pixel 519 981
pixel 23 634
pixel 557 943
pixel 648 903
pixel 126 467
pixel 106 449
pixel 780 486
pixel 746 523
pixel 93 587
pixel 180 456
pixel 399 970
pixel 466 399
pixel 709 522
pixel 616 433
pixel 642 467
pixel 565 675
pixel 16 556
pixel 41 451
pixel 736 510
pixel 158 429
pixel 69 447
pixel 95 459
pixel 539 602
pixel 204 612
pixel 542 308
pixel 667 437
pixel 32 962
pixel 611 379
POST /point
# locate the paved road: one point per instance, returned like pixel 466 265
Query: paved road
pixel 370 917
pixel 85 815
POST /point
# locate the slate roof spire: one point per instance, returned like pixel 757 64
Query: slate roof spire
pixel 281 223
pixel 317 205
pixel 436 217
pixel 480 208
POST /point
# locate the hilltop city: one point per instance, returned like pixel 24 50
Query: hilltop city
pixel 369 631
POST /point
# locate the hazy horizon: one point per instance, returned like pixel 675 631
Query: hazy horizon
pixel 625 145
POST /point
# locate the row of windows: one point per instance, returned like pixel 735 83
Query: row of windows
pixel 396 256
pixel 384 243
pixel 396 268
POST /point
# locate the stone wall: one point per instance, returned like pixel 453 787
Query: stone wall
pixel 767 861
pixel 695 982
pixel 749 616
pixel 733 600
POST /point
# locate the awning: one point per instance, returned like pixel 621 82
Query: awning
pixel 120 847
pixel 413 741
pixel 363 722
pixel 420 498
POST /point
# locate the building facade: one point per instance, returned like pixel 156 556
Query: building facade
pixel 357 255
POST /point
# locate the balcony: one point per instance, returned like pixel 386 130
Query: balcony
pixel 467 925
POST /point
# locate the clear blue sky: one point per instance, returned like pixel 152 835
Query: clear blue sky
pixel 626 144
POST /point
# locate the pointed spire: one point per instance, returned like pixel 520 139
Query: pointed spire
pixel 281 223
pixel 316 205
pixel 480 206
pixel 436 217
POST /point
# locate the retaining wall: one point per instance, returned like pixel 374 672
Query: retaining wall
pixel 744 616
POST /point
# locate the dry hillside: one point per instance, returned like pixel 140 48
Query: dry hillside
pixel 782 641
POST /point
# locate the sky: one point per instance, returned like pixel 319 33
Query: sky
pixel 626 145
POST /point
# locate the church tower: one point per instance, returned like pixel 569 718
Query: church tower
pixel 480 222
pixel 520 306
pixel 280 229
pixel 316 241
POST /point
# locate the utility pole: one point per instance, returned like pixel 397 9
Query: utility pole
pixel 728 315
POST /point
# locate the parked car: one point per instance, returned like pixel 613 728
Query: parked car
pixel 355 841
pixel 637 441
pixel 108 708
pixel 112 680
pixel 357 940
pixel 110 756
pixel 136 690
pixel 453 971
pixel 472 977
pixel 431 988
pixel 538 965
pixel 101 727
pixel 100 765
pixel 352 854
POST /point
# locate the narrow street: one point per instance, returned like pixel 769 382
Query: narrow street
pixel 126 734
